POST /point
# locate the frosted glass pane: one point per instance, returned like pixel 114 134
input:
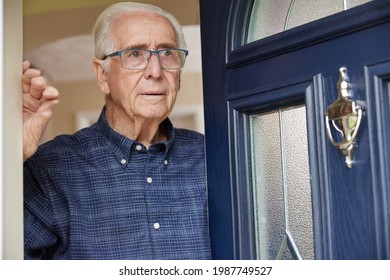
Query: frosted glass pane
pixel 308 10
pixel 297 180
pixel 268 184
pixel 281 184
pixel 270 17
pixel 267 18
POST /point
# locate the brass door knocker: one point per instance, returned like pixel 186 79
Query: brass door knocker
pixel 345 115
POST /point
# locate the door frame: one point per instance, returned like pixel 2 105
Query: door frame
pixel 11 155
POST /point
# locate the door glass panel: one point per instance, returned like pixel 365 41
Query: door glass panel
pixel 268 184
pixel 281 185
pixel 270 17
pixel 297 180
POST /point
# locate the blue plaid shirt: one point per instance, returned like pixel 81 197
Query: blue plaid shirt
pixel 99 195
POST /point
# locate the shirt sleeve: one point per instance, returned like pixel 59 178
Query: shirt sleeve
pixel 39 233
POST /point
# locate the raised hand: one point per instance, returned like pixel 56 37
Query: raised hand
pixel 38 102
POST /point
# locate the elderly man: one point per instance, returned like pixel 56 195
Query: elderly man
pixel 130 186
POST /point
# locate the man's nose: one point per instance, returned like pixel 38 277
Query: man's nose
pixel 154 67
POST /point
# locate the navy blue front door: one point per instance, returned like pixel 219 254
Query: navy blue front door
pixel 351 206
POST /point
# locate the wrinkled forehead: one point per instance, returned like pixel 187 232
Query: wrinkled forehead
pixel 141 29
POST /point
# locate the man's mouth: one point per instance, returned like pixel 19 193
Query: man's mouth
pixel 152 93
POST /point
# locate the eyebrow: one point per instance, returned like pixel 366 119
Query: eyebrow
pixel 159 46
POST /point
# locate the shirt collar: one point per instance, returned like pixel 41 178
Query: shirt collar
pixel 122 146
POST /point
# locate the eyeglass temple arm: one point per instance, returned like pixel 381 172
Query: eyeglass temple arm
pixel 110 55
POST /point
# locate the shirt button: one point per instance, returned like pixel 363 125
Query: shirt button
pixel 138 147
pixel 149 180
pixel 165 162
pixel 123 161
pixel 156 226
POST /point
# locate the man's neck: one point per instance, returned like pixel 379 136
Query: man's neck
pixel 145 131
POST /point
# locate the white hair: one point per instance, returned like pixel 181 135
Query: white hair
pixel 101 31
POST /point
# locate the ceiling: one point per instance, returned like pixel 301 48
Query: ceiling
pixel 57 34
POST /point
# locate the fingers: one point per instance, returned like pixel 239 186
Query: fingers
pixel 36 85
pixel 50 93
pixel 27 77
pixel 26 64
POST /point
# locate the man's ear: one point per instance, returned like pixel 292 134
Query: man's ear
pixel 101 76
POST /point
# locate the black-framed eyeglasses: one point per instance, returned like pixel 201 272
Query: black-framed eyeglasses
pixel 138 59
